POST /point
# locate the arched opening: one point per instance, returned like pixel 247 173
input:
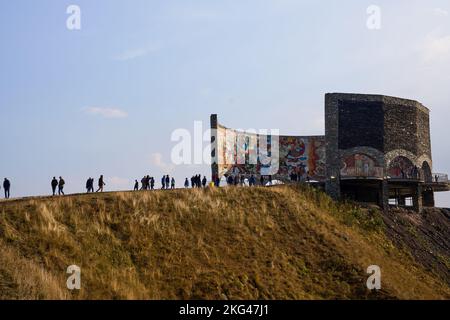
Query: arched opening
pixel 403 168
pixel 360 165
pixel 427 175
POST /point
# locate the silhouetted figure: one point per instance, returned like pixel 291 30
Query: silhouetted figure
pixel 101 184
pixel 136 185
pixel 186 183
pixel 54 185
pixel 261 180
pixel 61 184
pixel 252 181
pixel 163 182
pixel 6 186
pixel 270 180
pixel 147 182
pixel 167 181
pixel 90 185
pixel 172 183
pixel 204 181
pixel 152 183
pixel 230 180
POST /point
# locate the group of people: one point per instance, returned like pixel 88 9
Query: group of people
pixel 147 183
pixel 196 181
pixel 7 187
pixel 167 183
pixel 90 184
pixel 60 183
pixel 240 180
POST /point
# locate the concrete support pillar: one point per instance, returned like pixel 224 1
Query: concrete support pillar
pixel 214 148
pixel 332 185
pixel 384 195
pixel 418 199
pixel 428 198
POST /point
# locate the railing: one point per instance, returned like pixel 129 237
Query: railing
pixel 440 178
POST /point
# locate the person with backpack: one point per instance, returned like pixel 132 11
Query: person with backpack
pixel 61 184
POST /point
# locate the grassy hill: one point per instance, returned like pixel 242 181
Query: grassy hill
pixel 282 242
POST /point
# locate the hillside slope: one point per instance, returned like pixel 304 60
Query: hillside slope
pixel 281 242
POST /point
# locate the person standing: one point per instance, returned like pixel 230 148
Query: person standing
pixel 204 181
pixel 6 186
pixel 61 184
pixel 172 183
pixel 167 181
pixel 152 183
pixel 136 185
pixel 163 182
pixel 54 185
pixel 101 184
pixel 186 183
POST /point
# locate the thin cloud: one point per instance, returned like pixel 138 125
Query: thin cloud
pixel 436 47
pixel 132 54
pixel 156 159
pixel 440 12
pixel 106 112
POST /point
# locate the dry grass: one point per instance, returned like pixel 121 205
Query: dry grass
pixel 228 243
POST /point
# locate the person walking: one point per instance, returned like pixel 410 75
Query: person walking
pixel 61 184
pixel 101 184
pixel 54 185
pixel 163 182
pixel 136 185
pixel 172 183
pixel 152 183
pixel 6 186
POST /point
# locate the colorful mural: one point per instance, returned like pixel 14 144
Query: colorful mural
pixel 361 165
pixel 238 153
pixel 402 168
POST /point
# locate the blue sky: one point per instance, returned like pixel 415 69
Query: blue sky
pixel 105 99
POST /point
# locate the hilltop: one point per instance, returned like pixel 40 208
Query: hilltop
pixel 282 242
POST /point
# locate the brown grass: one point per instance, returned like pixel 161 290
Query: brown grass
pixel 228 243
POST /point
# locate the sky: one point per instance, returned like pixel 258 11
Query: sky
pixel 105 99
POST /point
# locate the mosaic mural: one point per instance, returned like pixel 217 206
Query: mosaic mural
pixel 360 165
pixel 238 154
